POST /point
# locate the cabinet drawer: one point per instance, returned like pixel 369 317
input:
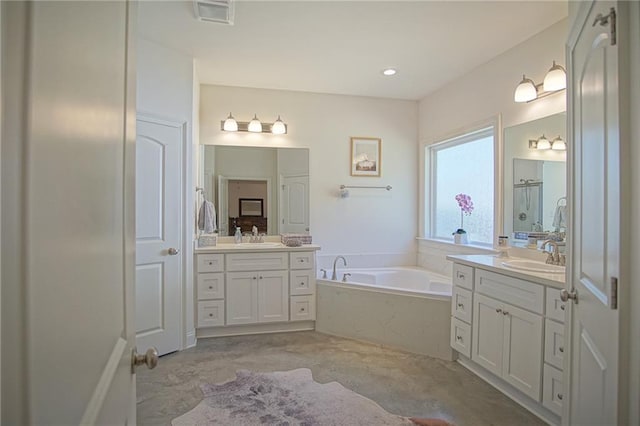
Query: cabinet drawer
pixel 520 293
pixel 553 343
pixel 461 304
pixel 257 261
pixel 302 282
pixel 301 260
pixel 211 313
pixel 552 389
pixel 211 286
pixel 303 308
pixel 555 308
pixel 210 262
pixel 461 337
pixel 463 276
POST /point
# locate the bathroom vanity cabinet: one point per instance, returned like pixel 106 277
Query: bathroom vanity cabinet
pixel 246 290
pixel 508 327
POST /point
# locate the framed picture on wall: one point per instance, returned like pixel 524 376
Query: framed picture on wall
pixel 366 156
pixel 251 207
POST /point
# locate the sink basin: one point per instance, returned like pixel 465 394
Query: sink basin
pixel 257 245
pixel 533 266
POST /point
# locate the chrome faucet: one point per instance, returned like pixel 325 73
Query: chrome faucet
pixel 554 257
pixel 334 276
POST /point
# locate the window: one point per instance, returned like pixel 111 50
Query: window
pixel 462 165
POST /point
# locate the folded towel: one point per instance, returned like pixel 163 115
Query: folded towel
pixel 207 217
pixel 560 218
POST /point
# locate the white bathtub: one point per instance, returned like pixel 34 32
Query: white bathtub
pixel 404 307
pixel 399 280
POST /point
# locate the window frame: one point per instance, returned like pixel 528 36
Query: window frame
pixel 487 127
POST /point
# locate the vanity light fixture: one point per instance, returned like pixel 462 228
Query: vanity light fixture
pixel 554 81
pixel 279 127
pixel 558 144
pixel 542 143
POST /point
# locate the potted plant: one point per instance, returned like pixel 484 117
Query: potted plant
pixel 460 236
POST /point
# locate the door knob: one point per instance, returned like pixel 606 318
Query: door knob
pixel 150 359
pixel 565 295
pixel 173 251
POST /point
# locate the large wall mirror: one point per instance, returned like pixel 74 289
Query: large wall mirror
pixel 263 187
pixel 535 181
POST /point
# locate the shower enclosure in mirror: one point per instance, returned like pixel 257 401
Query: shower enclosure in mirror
pixel 534 183
pixel 274 180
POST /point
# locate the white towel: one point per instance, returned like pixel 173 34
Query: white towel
pixel 207 217
pixel 560 218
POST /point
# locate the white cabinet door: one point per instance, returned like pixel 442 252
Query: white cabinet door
pixel 242 298
pixel 488 333
pixel 273 296
pixel 522 350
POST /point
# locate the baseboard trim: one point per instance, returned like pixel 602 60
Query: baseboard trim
pixel 241 330
pixel 526 402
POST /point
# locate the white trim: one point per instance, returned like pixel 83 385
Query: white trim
pixel 191 339
pixel 244 329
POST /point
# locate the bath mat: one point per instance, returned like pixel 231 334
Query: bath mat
pixel 284 398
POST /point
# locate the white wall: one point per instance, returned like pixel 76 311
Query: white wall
pixel 165 89
pixel 485 92
pixel 370 226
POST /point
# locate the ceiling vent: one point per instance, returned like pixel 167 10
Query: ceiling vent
pixel 220 11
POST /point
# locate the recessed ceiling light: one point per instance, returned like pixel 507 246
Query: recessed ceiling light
pixel 389 71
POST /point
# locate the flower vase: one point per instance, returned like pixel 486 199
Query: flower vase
pixel 461 238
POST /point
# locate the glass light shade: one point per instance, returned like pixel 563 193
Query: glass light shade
pixel 278 128
pixel 230 124
pixel 543 143
pixel 558 144
pixel 255 125
pixel 556 78
pixel 526 91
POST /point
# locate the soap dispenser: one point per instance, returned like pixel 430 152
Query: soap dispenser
pixel 238 235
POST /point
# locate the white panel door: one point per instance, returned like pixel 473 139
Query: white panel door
pixel 594 325
pixel 242 298
pixel 73 124
pixel 158 235
pixel 273 296
pixel 294 205
pixel 488 334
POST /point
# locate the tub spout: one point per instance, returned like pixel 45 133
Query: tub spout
pixel 334 275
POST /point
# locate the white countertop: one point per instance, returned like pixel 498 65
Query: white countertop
pixel 253 248
pixel 493 263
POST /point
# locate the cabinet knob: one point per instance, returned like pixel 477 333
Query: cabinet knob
pixel 461 276
pixel 561 349
pixel 302 310
pixel 260 276
pixel 559 396
pixel 210 315
pixel 459 338
pixel 255 278
pixel 300 260
pixel 210 263
pixel 562 307
pixel 460 305
pixel 302 284
pixel 499 310
pixel 210 287
pixel 505 312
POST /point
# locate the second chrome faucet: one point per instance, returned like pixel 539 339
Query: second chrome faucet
pixel 334 275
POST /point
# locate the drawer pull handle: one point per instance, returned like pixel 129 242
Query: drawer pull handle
pixel 302 284
pixel 302 310
pixel 210 315
pixel 210 287
pixel 255 278
pixel 562 307
pixel 505 312
pixel 559 396
pixel 561 349
pixel 461 276
pixel 460 305
pixel 499 310
pixel 210 263
pixel 260 276
pixel 300 260
pixel 459 338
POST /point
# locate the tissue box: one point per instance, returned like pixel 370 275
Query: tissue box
pixel 302 238
pixel 209 240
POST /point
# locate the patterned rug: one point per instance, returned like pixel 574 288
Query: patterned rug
pixel 284 398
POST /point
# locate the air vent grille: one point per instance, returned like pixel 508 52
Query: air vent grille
pixel 220 11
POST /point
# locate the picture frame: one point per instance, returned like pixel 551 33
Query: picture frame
pixel 251 207
pixel 366 156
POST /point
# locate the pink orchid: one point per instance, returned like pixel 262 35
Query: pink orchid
pixel 466 207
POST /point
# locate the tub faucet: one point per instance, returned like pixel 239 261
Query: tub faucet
pixel 334 276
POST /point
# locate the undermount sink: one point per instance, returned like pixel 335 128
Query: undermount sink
pixel 258 245
pixel 534 266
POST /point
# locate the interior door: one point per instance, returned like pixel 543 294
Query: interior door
pixel 159 146
pixel 294 205
pixel 71 135
pixel 594 325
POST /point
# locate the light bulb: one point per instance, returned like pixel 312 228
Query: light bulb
pixel 558 144
pixel 278 128
pixel 230 124
pixel 389 72
pixel 526 91
pixel 556 78
pixel 255 125
pixel 543 143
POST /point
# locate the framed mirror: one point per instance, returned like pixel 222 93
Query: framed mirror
pixel 534 186
pixel 255 186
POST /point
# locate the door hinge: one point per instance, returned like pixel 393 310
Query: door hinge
pixel 614 293
pixel 604 20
